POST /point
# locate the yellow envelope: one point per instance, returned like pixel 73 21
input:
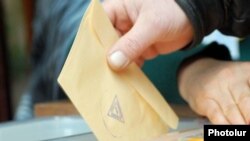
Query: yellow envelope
pixel 121 106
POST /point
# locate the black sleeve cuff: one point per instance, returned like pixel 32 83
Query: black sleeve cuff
pixel 204 15
pixel 214 50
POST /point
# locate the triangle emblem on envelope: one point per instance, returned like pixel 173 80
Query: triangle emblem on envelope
pixel 115 110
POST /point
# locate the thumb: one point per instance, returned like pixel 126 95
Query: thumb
pixel 131 45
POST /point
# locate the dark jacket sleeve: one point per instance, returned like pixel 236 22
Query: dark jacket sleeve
pixel 231 17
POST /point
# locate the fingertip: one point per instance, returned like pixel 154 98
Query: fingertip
pixel 117 60
pixel 123 52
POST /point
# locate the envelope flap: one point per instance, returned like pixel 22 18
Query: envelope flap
pixel 108 36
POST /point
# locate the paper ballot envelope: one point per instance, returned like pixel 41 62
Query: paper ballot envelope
pixel 122 106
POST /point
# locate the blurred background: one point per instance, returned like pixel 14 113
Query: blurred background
pixel 59 29
pixel 15 43
pixel 55 29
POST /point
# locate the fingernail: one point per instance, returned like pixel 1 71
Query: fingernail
pixel 118 60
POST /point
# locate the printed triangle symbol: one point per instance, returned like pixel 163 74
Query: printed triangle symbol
pixel 115 110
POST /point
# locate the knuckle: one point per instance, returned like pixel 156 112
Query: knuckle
pixel 157 22
pixel 225 73
pixel 206 86
pixel 133 47
pixel 211 109
pixel 155 18
pixel 207 81
pixel 209 86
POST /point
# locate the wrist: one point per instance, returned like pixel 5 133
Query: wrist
pixel 190 71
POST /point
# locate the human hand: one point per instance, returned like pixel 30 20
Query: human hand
pixel 216 89
pixel 147 28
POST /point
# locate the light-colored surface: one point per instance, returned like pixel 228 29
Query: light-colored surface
pixel 43 129
pixel 67 128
